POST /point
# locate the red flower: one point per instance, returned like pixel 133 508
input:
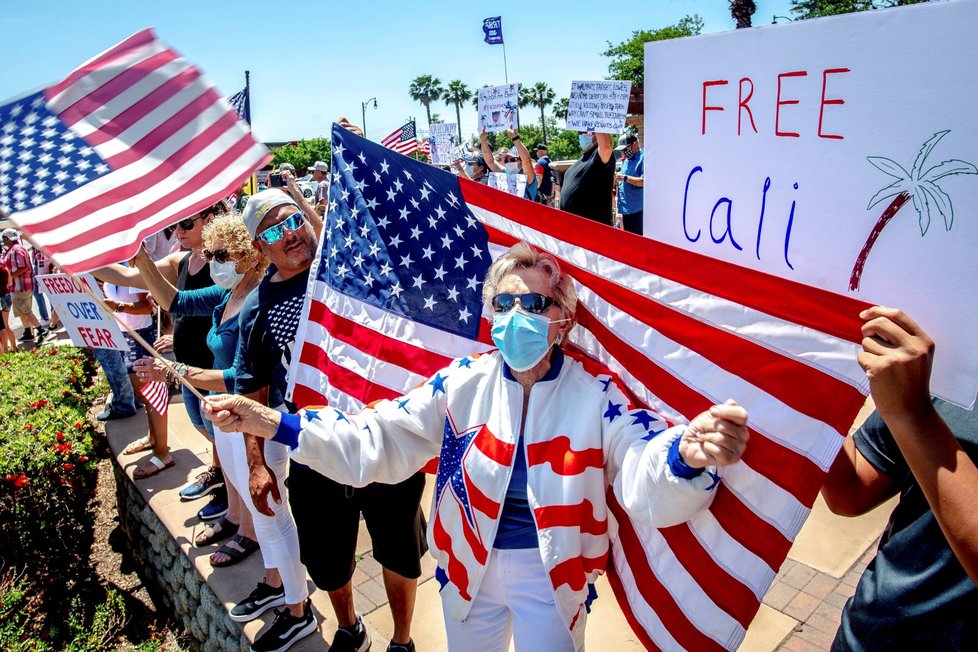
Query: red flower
pixel 10 477
pixel 60 436
pixel 69 467
pixel 28 426
pixel 82 458
pixel 78 425
pixel 22 481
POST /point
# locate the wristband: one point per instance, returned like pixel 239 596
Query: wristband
pixel 515 138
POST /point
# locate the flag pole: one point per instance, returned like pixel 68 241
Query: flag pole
pixel 170 367
pixel 505 66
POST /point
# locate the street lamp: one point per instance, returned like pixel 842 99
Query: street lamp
pixel 363 113
pixel 774 19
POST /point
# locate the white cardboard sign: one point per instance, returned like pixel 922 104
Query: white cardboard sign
pixel 498 108
pixel 514 184
pixel 443 141
pixel 87 324
pixel 786 149
pixel 598 106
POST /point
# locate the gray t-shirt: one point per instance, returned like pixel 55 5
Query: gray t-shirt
pixel 914 595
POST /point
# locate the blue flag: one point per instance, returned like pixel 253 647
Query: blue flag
pixel 493 27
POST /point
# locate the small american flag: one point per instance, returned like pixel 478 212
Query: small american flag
pixel 157 394
pixel 241 103
pixel 132 141
pixel 404 139
pixel 395 295
pixel 425 147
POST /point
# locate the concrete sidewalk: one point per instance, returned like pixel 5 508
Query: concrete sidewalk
pixel 800 612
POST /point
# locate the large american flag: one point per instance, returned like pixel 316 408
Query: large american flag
pixel 396 295
pixel 132 141
pixel 404 139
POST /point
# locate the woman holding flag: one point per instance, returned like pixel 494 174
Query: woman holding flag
pixel 529 441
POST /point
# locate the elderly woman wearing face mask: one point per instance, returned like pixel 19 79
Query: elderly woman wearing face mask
pixel 503 161
pixel 522 434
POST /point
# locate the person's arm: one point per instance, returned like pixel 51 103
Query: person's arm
pixel 22 265
pixel 853 486
pixel 605 150
pixel 459 166
pixel 117 274
pixel 487 153
pixel 897 356
pixel 525 161
pixel 143 305
pixel 308 210
pixel 163 291
pixel 155 370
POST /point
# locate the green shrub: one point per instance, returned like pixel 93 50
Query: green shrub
pixel 47 465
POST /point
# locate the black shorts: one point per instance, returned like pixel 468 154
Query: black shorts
pixel 327 517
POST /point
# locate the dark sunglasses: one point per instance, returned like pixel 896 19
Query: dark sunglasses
pixel 221 255
pixel 273 234
pixel 188 224
pixel 533 302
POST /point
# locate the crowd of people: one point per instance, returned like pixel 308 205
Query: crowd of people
pixel 294 483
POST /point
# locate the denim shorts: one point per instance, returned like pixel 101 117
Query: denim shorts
pixel 6 301
pixel 136 350
pixel 192 405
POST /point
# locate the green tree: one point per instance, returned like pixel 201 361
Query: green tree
pixel 563 144
pixel 628 57
pixel 560 108
pixel 302 154
pixel 741 11
pixel 818 8
pixel 539 95
pixel 426 89
pixel 458 94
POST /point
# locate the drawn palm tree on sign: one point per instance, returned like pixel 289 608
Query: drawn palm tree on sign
pixel 917 185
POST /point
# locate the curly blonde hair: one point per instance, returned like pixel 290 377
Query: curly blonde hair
pixel 234 234
pixel 523 256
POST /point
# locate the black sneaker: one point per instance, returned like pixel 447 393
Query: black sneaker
pixel 263 598
pixel 41 334
pixel 27 336
pixel 401 647
pixel 206 482
pixel 351 639
pixel 285 630
pixel 216 508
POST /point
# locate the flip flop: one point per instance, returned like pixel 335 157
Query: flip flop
pixel 149 470
pixel 216 531
pixel 244 547
pixel 138 446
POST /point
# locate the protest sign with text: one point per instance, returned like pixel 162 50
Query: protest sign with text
pixel 443 143
pixel 800 151
pixel 498 108
pixel 85 321
pixel 514 184
pixel 598 106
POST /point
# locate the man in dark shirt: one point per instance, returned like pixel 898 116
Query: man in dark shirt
pixel 919 591
pixel 544 174
pixel 586 189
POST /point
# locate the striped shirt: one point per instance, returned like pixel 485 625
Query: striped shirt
pixel 16 259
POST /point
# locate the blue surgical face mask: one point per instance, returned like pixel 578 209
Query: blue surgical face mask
pixel 585 141
pixel 225 274
pixel 521 337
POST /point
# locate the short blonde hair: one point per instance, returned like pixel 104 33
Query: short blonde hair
pixel 233 232
pixel 523 256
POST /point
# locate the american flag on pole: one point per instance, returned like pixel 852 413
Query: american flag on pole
pixel 132 141
pixel 404 139
pixel 157 394
pixel 396 295
pixel 425 147
pixel 241 103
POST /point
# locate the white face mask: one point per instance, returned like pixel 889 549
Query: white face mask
pixel 225 274
pixel 513 167
pixel 469 170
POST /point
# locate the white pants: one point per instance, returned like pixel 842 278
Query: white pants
pixel 277 535
pixel 515 600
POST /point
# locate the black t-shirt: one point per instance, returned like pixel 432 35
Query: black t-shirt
pixel 190 333
pixel 914 595
pixel 586 190
pixel 268 321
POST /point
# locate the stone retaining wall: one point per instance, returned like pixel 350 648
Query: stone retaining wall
pixel 164 565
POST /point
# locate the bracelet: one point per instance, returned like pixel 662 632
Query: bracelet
pixel 515 138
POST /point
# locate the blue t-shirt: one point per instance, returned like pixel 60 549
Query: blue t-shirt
pixel 222 338
pixel 629 196
pixel 268 322
pixel 914 595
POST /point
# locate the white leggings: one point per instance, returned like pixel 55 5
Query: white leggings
pixel 515 598
pixel 277 535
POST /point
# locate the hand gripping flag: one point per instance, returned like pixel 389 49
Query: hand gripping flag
pixel 132 141
pixel 395 295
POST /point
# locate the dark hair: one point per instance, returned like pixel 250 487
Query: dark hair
pixel 480 160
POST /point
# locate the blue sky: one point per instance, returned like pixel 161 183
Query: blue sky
pixel 311 63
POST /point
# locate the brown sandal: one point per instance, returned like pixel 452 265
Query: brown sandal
pixel 154 466
pixel 243 546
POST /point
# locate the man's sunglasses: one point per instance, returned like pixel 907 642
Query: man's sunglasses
pixel 188 224
pixel 531 302
pixel 221 255
pixel 273 234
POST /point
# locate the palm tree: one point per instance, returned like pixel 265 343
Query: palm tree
pixel 741 11
pixel 918 185
pixel 426 89
pixel 560 108
pixel 458 94
pixel 539 95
